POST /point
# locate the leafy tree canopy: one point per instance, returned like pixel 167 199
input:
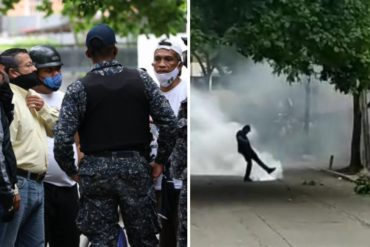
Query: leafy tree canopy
pixel 330 38
pixel 126 16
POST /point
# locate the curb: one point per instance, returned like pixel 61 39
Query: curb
pixel 351 178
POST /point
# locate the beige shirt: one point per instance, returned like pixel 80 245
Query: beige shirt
pixel 29 131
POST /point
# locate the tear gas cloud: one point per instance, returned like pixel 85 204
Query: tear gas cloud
pixel 213 141
pixel 276 111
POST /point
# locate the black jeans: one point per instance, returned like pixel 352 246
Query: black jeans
pixel 61 208
pixel 249 156
pixel 169 208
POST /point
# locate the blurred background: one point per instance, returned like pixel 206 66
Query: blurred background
pixel 139 25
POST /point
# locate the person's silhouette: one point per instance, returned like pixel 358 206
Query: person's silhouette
pixel 245 148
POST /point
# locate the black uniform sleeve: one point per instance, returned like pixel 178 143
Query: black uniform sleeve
pixel 163 118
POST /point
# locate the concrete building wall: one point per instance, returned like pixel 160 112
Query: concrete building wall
pixel 28 7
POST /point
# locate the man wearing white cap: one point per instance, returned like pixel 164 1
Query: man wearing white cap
pixel 167 66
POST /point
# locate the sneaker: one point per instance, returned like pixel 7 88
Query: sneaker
pixel 271 170
pixel 247 179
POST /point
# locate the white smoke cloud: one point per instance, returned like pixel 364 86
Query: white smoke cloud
pixel 276 111
pixel 213 142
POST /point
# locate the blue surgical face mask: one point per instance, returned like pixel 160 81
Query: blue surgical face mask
pixel 53 82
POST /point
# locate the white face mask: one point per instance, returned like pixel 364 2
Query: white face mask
pixel 165 79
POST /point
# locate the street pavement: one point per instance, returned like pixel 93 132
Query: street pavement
pixel 307 208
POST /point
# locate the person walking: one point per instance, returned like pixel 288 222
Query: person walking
pixel 245 148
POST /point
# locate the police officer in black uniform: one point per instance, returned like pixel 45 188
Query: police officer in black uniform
pixel 110 109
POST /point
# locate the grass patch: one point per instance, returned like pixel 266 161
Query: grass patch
pixel 362 185
pixel 28 43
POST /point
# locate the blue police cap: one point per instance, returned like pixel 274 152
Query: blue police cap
pixel 102 32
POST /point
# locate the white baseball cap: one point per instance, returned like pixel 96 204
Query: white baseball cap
pixel 170 45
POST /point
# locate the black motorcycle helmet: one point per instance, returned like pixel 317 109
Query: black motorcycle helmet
pixel 45 56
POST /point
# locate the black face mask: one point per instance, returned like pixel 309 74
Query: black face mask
pixel 27 81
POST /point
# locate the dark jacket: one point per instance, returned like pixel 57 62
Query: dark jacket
pixel 8 163
pixel 244 145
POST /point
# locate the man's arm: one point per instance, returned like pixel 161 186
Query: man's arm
pixel 71 114
pixel 80 154
pixel 47 115
pixel 163 117
pixel 8 191
pixel 240 137
pixel 178 158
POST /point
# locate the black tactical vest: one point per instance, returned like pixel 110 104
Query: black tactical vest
pixel 117 113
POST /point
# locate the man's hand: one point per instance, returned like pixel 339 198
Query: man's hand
pixel 16 202
pixel 10 208
pixel 157 170
pixel 76 178
pixel 34 101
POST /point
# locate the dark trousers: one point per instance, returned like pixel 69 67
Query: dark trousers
pixel 183 218
pixel 169 207
pixel 249 157
pixel 107 183
pixel 61 208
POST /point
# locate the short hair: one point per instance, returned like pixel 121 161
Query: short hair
pixel 13 52
pixel 98 49
pixel 247 128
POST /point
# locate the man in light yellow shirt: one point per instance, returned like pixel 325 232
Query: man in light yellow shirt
pixel 33 122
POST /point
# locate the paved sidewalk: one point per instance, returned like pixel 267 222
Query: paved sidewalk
pixel 308 208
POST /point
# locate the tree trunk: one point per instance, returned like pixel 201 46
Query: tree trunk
pixel 307 117
pixel 355 163
pixel 307 108
pixel 365 131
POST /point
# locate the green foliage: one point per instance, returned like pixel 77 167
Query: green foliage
pixel 135 16
pixel 206 46
pixel 5 5
pixel 28 43
pixel 362 185
pixel 46 7
pixel 325 38
pixel 126 16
